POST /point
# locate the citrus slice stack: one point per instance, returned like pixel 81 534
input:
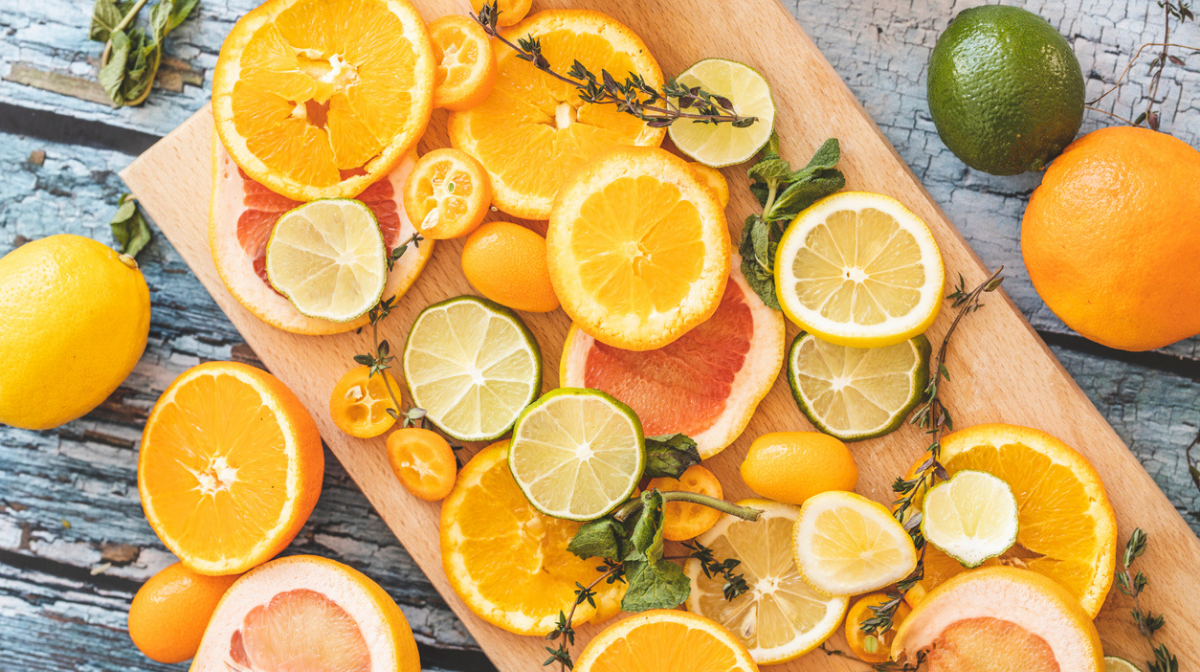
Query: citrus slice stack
pixel 859 269
pixel 319 100
pixel 705 384
pixel 466 67
pixel 509 563
pixel 781 617
pixel 230 467
pixel 724 144
pixel 534 131
pixel 638 249
pixel 665 641
pixel 310 613
pixel 242 215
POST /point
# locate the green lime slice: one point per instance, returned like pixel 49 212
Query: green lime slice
pixel 473 365
pixel 720 145
pixel 1115 664
pixel 577 454
pixel 857 393
pixel 971 517
pixel 328 258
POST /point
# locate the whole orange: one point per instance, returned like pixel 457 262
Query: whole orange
pixel 170 612
pixel 506 262
pixel 1111 238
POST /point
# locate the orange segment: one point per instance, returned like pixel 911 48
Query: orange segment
pixel 534 131
pixel 230 467
pixel 447 194
pixel 320 98
pixel 423 462
pixel 466 67
pixel 359 403
pixel 665 641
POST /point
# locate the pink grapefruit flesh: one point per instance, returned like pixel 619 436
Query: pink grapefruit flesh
pixel 299 630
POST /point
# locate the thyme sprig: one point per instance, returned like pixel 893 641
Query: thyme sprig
pixel 886 666
pixel 1147 622
pixel 658 107
pixel 932 416
pixel 735 584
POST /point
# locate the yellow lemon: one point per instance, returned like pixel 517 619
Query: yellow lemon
pixel 793 466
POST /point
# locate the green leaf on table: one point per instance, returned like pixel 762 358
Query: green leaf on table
pixel 180 11
pixel 804 192
pixel 826 157
pixel 657 584
pixel 758 259
pixel 112 75
pixel 134 54
pixel 670 455
pixel 106 14
pixel 603 538
pixel 129 228
pixel 160 19
pixel 647 535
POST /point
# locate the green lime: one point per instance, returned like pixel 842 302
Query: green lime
pixel 720 145
pixel 1115 664
pixel 1005 90
pixel 328 258
pixel 577 454
pixel 473 365
pixel 857 393
pixel 971 517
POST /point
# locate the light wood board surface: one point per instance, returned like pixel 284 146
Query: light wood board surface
pixel 1001 370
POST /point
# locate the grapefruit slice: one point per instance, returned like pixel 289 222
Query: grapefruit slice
pixel 306 613
pixel 243 213
pixel 705 384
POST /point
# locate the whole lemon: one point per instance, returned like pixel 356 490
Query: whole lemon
pixel 76 315
pixel 793 466
pixel 170 612
pixel 506 262
pixel 1111 238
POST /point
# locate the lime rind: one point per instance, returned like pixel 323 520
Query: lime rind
pixel 802 378
pixel 972 517
pixel 1115 664
pixel 298 244
pixel 721 145
pixel 597 435
pixel 473 366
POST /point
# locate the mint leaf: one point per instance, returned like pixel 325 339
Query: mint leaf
pixel 654 585
pixel 181 10
pixel 827 156
pixel 756 268
pixel 112 75
pixel 803 193
pixel 770 169
pixel 603 538
pixel 129 228
pixel 106 14
pixel 670 455
pixel 647 533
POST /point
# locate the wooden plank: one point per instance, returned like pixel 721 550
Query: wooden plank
pixel 1003 371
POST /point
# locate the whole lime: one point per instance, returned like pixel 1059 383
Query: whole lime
pixel 75 318
pixel 1005 90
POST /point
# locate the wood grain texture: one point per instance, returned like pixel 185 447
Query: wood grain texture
pixel 1003 372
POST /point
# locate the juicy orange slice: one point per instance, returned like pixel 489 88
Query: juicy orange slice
pixel 318 99
pixel 714 179
pixel 638 249
pixel 665 641
pixel 447 194
pixel 466 67
pixel 359 403
pixel 423 462
pixel 306 613
pixel 511 11
pixel 534 131
pixel 230 467
pixel 509 563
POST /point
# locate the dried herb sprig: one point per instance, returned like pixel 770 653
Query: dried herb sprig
pixel 657 107
pixel 932 416
pixel 132 54
pixel 129 227
pixel 735 584
pixel 1147 622
pixel 886 666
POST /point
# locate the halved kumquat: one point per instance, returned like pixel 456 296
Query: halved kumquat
pixel 466 67
pixel 447 194
pixel 423 462
pixel 359 403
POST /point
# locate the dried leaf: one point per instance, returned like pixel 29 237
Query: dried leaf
pixel 129 228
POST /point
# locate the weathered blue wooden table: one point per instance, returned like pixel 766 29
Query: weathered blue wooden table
pixel 74 545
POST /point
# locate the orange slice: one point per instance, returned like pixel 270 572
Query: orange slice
pixel 534 131
pixel 508 562
pixel 447 194
pixel 318 99
pixel 510 11
pixel 359 403
pixel 665 641
pixel 466 67
pixel 714 179
pixel 230 467
pixel 638 249
pixel 307 613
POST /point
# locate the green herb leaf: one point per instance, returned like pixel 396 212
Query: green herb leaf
pixel 670 455
pixel 603 538
pixel 804 192
pixel 160 19
pixel 647 536
pixel 180 11
pixel 773 168
pixel 106 14
pixel 758 270
pixel 826 157
pixel 134 54
pixel 654 585
pixel 129 228
pixel 112 75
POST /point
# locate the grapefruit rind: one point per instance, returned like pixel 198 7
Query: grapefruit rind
pixel 760 367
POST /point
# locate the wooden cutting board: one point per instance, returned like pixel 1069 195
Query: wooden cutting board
pixel 1002 371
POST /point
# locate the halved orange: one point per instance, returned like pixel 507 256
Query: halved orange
pixel 447 194
pixel 665 641
pixel 230 467
pixel 510 11
pixel 466 66
pixel 534 131
pixel 320 98
pixel 638 248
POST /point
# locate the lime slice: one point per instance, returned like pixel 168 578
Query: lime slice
pixel 971 517
pixel 577 453
pixel 1115 664
pixel 328 258
pixel 859 269
pixel 857 393
pixel 724 144
pixel 781 617
pixel 473 366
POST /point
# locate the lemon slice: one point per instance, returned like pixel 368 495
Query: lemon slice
pixel 724 144
pixel 328 258
pixel 473 366
pixel 857 393
pixel 971 517
pixel 859 269
pixel 781 617
pixel 1115 664
pixel 577 453
pixel 846 544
